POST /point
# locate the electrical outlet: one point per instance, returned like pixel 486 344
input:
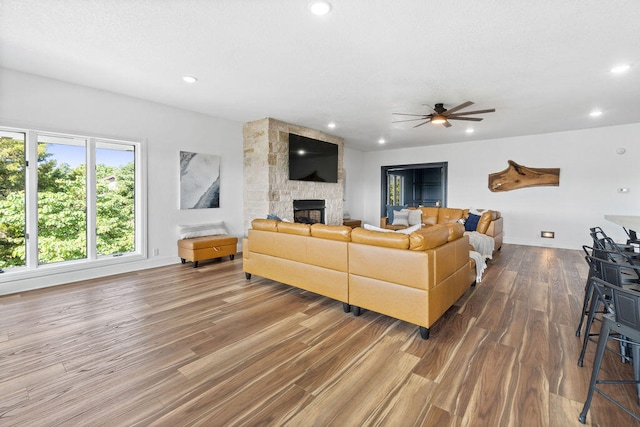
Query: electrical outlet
pixel 156 252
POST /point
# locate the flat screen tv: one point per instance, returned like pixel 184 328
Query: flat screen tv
pixel 312 160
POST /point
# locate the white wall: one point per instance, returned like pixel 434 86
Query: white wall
pixel 590 174
pixel 44 104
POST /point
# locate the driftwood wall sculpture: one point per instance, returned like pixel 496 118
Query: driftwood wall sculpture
pixel 518 176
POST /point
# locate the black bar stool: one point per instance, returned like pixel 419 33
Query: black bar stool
pixel 615 273
pixel 625 322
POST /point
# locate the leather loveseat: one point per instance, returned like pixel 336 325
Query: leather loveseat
pixel 412 277
pixel 490 222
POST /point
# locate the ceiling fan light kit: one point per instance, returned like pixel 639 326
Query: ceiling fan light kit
pixel 441 115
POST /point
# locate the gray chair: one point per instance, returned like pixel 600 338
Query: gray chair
pixel 624 322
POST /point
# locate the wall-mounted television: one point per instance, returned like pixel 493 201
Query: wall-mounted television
pixel 312 160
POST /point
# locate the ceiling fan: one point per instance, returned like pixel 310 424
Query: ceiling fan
pixel 442 116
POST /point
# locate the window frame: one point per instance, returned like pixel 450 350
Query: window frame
pixel 386 170
pixel 32 269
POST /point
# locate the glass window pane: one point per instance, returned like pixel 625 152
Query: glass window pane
pixel 12 200
pixel 115 198
pixel 62 195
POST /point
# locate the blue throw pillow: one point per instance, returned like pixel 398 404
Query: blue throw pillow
pixel 272 216
pixel 472 222
pixel 390 210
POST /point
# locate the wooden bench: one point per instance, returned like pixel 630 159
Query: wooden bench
pixel 207 247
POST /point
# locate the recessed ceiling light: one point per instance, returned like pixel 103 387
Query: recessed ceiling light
pixel 469 130
pixel 381 141
pixel 189 79
pixel 320 7
pixel 596 113
pixel 619 69
pixel 331 125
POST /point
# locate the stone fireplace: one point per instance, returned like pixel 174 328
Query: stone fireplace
pixel 267 188
pixel 308 211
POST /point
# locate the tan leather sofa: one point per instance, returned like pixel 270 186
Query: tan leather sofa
pixel 314 258
pixel 490 222
pixel 414 277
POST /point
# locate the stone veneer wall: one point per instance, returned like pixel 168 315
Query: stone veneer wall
pixel 267 188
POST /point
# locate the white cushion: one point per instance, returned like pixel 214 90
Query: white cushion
pixel 415 216
pixel 410 230
pixel 401 218
pixel 374 228
pixel 198 230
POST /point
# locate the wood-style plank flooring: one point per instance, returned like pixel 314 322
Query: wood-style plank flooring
pixel 179 346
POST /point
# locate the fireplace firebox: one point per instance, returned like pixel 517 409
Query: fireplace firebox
pixel 308 211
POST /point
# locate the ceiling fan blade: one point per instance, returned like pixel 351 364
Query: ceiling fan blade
pixel 466 113
pixel 428 121
pixel 406 114
pixel 471 119
pixel 408 120
pixel 446 124
pixel 458 107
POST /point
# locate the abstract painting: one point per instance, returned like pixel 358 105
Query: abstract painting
pixel 199 180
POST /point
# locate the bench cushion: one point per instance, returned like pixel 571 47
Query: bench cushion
pixel 207 241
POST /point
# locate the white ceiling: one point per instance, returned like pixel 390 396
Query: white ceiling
pixel 543 65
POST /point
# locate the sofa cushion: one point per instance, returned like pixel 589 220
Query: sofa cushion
pixel 429 215
pixel 472 222
pixel 390 210
pixel 485 220
pixel 294 228
pixel 429 237
pixel 265 224
pixel 456 231
pixel 377 238
pixel 449 215
pixel 400 218
pixel 331 232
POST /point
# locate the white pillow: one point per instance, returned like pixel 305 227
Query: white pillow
pixel 401 217
pixel 374 228
pixel 198 230
pixel 415 216
pixel 410 230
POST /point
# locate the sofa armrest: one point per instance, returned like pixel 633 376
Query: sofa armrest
pixel 383 222
pixel 495 227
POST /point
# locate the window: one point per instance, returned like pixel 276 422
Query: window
pixel 115 201
pixel 395 190
pixel 12 199
pixel 62 199
pixel 80 203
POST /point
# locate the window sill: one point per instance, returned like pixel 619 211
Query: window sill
pixel 65 268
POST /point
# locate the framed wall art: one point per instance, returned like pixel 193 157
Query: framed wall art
pixel 199 180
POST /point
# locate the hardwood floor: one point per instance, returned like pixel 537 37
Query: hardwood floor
pixel 179 346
